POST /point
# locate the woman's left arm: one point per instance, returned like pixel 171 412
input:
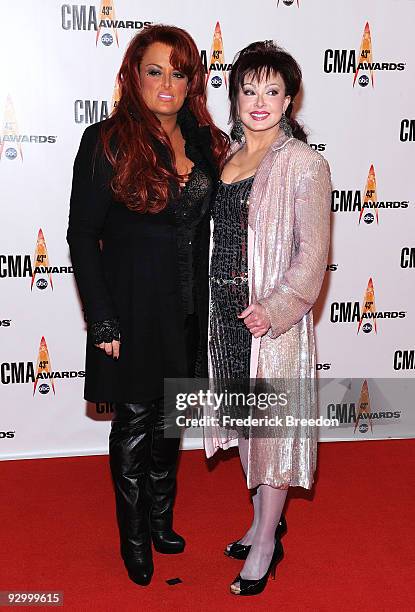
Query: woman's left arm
pixel 300 286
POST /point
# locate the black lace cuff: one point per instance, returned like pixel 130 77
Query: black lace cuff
pixel 105 331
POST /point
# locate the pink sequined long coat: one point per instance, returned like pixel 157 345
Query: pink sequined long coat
pixel 288 243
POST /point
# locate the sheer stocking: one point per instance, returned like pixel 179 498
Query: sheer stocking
pixel 243 446
pixel 268 505
pixel 270 508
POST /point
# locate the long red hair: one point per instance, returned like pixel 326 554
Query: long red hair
pixel 141 179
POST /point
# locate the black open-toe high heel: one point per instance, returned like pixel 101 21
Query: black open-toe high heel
pixel 255 587
pixel 240 551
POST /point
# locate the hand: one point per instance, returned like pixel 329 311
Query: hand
pixel 256 319
pixel 111 348
pixel 106 336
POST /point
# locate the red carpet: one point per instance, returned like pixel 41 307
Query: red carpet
pixel 350 547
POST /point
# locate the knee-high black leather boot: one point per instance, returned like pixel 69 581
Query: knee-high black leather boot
pixel 161 485
pixel 130 448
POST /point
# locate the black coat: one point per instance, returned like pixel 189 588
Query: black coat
pixel 134 276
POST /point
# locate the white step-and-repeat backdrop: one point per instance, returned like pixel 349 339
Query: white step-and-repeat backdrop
pixel 57 74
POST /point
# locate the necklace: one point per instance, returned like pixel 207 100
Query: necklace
pixel 184 178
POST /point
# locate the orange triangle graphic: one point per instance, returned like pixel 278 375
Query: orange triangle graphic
pixel 41 258
pixel 365 53
pixel 370 194
pixel 364 406
pixel 217 54
pixel 43 364
pixel 368 305
pixel 10 128
pixel 107 13
pixel 116 95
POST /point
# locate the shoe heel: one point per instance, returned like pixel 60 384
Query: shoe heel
pixel 255 587
pixel 277 560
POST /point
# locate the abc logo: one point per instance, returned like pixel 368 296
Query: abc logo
pixel 5 322
pixel 11 153
pixel 107 39
pixel 367 327
pixel 44 388
pixel 216 81
pixel 368 217
pixel 41 283
pixel 363 427
pixel 288 2
pixel 6 434
pixel 363 80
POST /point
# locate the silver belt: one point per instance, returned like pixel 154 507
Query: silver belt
pixel 237 280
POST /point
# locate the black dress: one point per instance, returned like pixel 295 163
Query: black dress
pixel 146 273
pixel 230 340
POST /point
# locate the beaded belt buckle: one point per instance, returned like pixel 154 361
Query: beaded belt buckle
pixel 237 280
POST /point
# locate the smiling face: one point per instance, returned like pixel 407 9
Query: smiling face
pixel 262 102
pixel 163 87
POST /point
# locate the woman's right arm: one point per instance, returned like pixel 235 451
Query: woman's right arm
pixel 89 205
pixel 300 286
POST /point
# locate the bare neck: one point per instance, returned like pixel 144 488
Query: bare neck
pixel 260 141
pixel 169 124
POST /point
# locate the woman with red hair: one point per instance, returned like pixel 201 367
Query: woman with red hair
pixel 139 241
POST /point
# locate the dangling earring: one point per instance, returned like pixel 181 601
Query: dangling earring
pixel 285 125
pixel 237 132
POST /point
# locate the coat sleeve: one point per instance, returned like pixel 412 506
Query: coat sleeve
pixel 89 205
pixel 301 284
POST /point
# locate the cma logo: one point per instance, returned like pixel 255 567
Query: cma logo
pixel 404 360
pixel 19 266
pixel 349 413
pixel 407 131
pixel 345 61
pixel 90 111
pixel 350 312
pixel 350 61
pixel 408 257
pixel 5 322
pixel 84 17
pixel 7 434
